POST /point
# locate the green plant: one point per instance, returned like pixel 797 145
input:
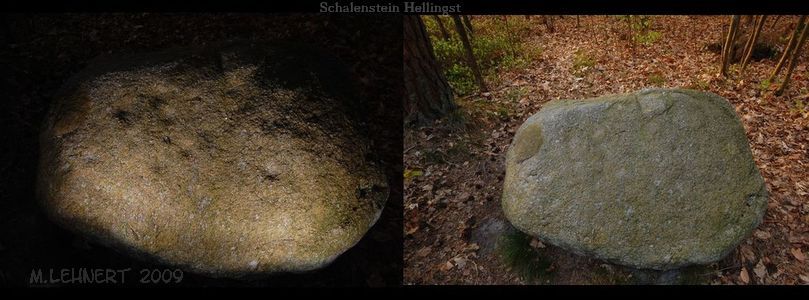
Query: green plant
pixel 800 108
pixel 700 85
pixel 461 79
pixel 640 22
pixel 530 50
pixel 497 46
pixel 515 94
pixel 503 113
pixel 656 79
pixel 516 252
pixel 582 62
pixel 764 85
pixel 647 38
pixel 639 26
pixel 511 62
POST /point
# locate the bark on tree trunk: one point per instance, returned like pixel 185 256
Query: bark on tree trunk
pixel 427 95
pixel 727 49
pixel 470 56
pixel 444 32
pixel 468 24
pixel 788 49
pixel 548 23
pixel 777 17
pixel 751 43
pixel 796 53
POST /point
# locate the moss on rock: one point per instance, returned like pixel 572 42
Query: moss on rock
pixel 231 160
pixel 657 179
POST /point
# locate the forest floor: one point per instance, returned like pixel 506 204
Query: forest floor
pixel 454 170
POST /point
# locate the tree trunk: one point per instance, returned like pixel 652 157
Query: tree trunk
pixel 470 56
pixel 548 23
pixel 629 34
pixel 577 21
pixel 777 17
pixel 749 19
pixel 751 42
pixel 427 95
pixel 444 32
pixel 727 49
pixel 796 53
pixel 788 49
pixel 468 24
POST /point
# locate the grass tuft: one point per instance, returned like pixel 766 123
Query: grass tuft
pixel 516 252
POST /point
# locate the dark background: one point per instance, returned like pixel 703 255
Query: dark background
pixel 39 52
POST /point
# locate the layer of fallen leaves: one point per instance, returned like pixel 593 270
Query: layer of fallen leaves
pixel 455 174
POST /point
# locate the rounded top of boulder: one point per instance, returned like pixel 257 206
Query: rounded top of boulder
pixel 659 179
pixel 228 160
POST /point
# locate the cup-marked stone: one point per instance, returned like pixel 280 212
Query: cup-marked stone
pixel 658 179
pixel 231 160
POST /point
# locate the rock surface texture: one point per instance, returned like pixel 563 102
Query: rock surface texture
pixel 227 161
pixel 657 179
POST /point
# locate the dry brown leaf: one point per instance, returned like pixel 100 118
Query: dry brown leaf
pixel 744 276
pixel 423 252
pixel 747 253
pixel 472 247
pixel 447 266
pixel 537 243
pixel 760 270
pixel 798 254
pixel 460 261
pixel 412 230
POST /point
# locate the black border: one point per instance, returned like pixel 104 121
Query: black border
pixel 467 6
pixel 456 292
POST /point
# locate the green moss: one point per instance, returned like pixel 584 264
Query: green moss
pixel 529 139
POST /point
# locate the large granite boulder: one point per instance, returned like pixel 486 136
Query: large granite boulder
pixel 657 179
pixel 227 161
